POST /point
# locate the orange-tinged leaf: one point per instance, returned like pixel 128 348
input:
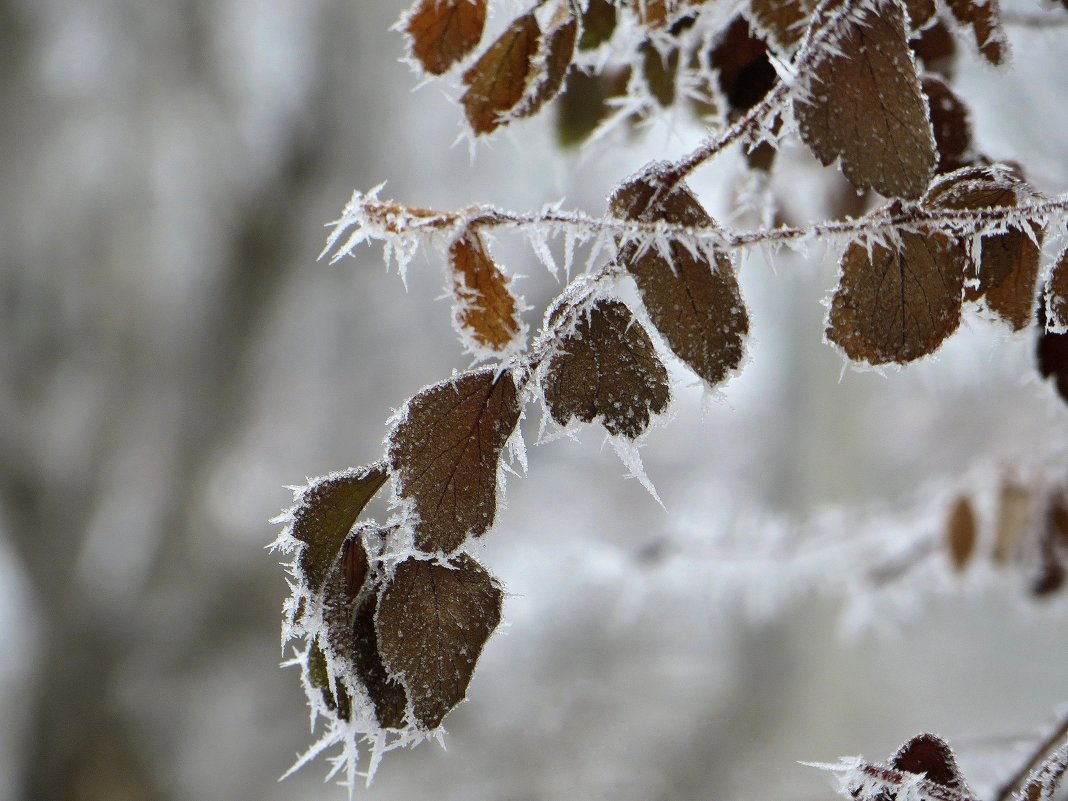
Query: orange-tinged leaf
pixel 324 514
pixel 606 368
pixel 984 17
pixel 961 534
pixel 499 80
pixel 442 32
pixel 897 304
pixel 485 310
pixel 433 622
pixel 865 107
pixel 694 304
pixel 444 455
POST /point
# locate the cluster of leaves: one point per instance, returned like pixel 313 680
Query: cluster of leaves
pixel 394 616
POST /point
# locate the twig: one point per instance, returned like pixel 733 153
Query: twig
pixel 1015 783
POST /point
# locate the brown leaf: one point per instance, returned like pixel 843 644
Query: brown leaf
pixel 931 755
pixel 433 622
pixel 961 535
pixel 984 17
pixel 745 72
pixel 654 13
pixel 659 70
pixel 1056 293
pixel 607 368
pixel 583 103
pixel 1053 548
pixel 559 48
pixel 783 20
pixel 920 13
pixel 1014 521
pixel 485 308
pixel 695 305
pixel 865 107
pixel 441 32
pixel 444 455
pixel 319 677
pixel 896 305
pixel 1007 274
pixel 598 24
pixel 952 127
pixel 324 514
pixel 387 694
pixel 1051 353
pixel 936 49
pixel 499 80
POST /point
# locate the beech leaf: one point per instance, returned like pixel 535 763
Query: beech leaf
pixel 984 17
pixel 929 754
pixel 386 694
pixel 442 32
pixel 559 44
pixel 950 122
pixel 433 621
pixel 324 514
pixel 485 310
pixel 897 304
pixel 500 78
pixel 695 305
pixel 865 106
pixel 444 455
pixel 608 369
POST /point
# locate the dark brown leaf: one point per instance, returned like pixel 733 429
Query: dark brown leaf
pixel 745 72
pixel 325 513
pixel 441 32
pixel 559 48
pixel 598 24
pixel 658 69
pixel 1051 353
pixel 444 455
pixel 783 20
pixel 1056 293
pixel 896 305
pixel 607 368
pixel 936 49
pixel 1007 274
pixel 961 534
pixel 984 17
pixel 920 13
pixel 319 677
pixel 501 77
pixel 865 107
pixel 695 305
pixel 583 103
pixel 952 127
pixel 929 754
pixel 386 694
pixel 485 308
pixel 433 622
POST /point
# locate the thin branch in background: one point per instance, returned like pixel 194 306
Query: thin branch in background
pixel 1015 784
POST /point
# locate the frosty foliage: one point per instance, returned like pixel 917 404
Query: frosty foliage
pixel 391 618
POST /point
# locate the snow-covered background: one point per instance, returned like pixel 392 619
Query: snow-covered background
pixel 172 355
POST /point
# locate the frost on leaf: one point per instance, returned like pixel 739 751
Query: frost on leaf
pixel 1043 781
pixel 442 32
pixel 864 106
pixel 598 24
pixel 336 698
pixel 744 69
pixel 960 534
pixel 930 755
pixel 984 17
pixel 1056 294
pixel 499 80
pixel 949 120
pixel 558 45
pixel 485 309
pixel 896 303
pixel 325 512
pixel 387 695
pixel 1007 273
pixel 784 20
pixel 606 368
pixel 1053 547
pixel 444 455
pixel 694 304
pixel 433 621
pixel 1052 354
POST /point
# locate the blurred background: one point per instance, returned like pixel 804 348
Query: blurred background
pixel 172 356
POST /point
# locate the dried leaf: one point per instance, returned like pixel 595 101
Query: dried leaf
pixel 607 368
pixel 559 49
pixel 984 17
pixel 325 513
pixel 319 677
pixel 598 24
pixel 500 79
pixel 929 754
pixel 920 13
pixel 1014 521
pixel 950 122
pixel 745 72
pixel 1051 353
pixel 583 103
pixel 387 694
pixel 654 13
pixel 442 32
pixel 444 455
pixel 1007 274
pixel 865 106
pixel 783 20
pixel 961 534
pixel 659 71
pixel 896 305
pixel 936 49
pixel 485 308
pixel 433 622
pixel 1053 548
pixel 695 305
pixel 1056 293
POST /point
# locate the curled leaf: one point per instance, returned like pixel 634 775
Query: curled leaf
pixel 607 368
pixel 499 79
pixel 433 621
pixel 444 455
pixel 896 304
pixel 485 309
pixel 442 32
pixel 864 106
pixel 324 514
pixel 694 304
